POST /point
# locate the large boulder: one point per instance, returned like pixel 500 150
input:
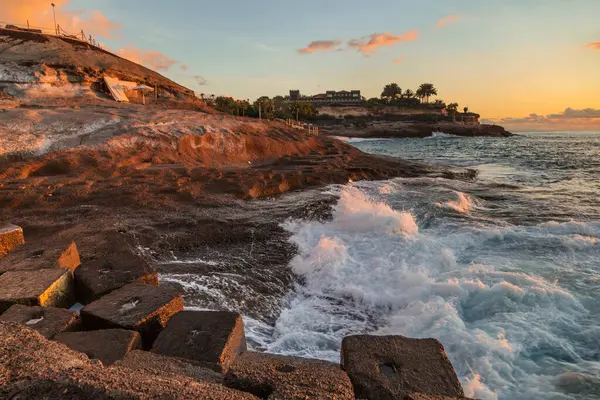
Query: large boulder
pixel 158 364
pixel 280 377
pixel 11 236
pixel 212 337
pixel 95 278
pixel 34 256
pixel 32 367
pixel 393 367
pixel 48 321
pixel 44 287
pixel 136 306
pixel 107 345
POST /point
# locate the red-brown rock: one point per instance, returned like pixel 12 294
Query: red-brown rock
pixel 213 337
pixel 48 321
pixel 136 306
pixel 392 367
pixel 280 377
pixel 107 345
pixel 95 278
pixel 33 256
pixel 11 236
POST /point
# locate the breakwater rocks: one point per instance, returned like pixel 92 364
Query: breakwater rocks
pixel 113 331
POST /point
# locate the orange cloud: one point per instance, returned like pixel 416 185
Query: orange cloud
pixel 319 45
pixel 569 119
pixel 369 44
pixel 399 60
pixel 450 19
pixel 594 45
pixel 184 68
pixel 150 58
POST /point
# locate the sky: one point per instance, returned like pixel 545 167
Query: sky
pixel 526 64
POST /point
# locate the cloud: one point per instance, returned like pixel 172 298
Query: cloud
pixel 319 45
pixel 569 119
pixel 369 44
pixel 399 60
pixel 150 58
pixel 200 81
pixel 450 19
pixel 184 68
pixel 594 45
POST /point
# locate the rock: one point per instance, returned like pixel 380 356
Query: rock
pixel 95 278
pixel 392 367
pixel 33 256
pixel 421 396
pixel 145 361
pixel 44 287
pixel 32 367
pixel 280 377
pixel 48 321
pixel 108 345
pixel 214 337
pixel 136 306
pixel 11 236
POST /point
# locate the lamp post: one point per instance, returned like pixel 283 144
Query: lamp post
pixel 54 13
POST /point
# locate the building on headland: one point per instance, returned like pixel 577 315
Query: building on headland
pixel 329 97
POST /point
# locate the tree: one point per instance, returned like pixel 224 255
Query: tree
pixel 391 91
pixel 452 108
pixel 466 110
pixel 225 104
pixel 409 94
pixel 302 109
pixel 373 101
pixel 265 107
pixel 427 90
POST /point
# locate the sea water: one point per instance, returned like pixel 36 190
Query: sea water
pixel 503 270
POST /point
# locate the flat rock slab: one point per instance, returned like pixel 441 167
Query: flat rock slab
pixel 32 256
pixel 11 236
pixel 48 321
pixel 158 364
pixel 95 278
pixel 44 287
pixel 393 367
pixel 215 337
pixel 280 377
pixel 108 345
pixel 136 306
pixel 35 368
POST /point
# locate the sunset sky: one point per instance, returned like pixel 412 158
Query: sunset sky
pixel 505 59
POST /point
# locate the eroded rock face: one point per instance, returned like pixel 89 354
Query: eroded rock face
pixel 48 321
pixel 108 345
pixel 212 337
pixel 95 278
pixel 280 377
pixel 11 236
pixel 32 367
pixel 44 287
pixel 137 306
pixel 393 367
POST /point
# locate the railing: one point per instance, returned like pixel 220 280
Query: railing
pixel 312 129
pixel 59 31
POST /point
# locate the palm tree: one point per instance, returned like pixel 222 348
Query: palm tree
pixel 427 90
pixel 409 94
pixel 391 91
pixel 452 108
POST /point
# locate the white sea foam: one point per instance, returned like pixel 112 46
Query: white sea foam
pixel 462 204
pixel 507 324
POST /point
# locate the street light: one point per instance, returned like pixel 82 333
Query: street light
pixel 54 13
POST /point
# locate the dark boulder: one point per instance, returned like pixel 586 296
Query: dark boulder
pixel 212 337
pixel 280 377
pixel 136 306
pixel 48 321
pixel 34 256
pixel 393 367
pixel 107 345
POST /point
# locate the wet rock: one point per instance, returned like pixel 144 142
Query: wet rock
pixel 136 306
pixel 392 367
pixel 11 236
pixel 280 377
pixel 213 337
pixel 48 321
pixel 44 287
pixel 34 256
pixel 145 361
pixel 108 345
pixel 32 367
pixel 95 278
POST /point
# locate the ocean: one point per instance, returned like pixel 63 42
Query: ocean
pixel 504 270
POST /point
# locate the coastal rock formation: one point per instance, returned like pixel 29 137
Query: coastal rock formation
pixel 11 236
pixel 108 345
pixel 60 253
pixel 48 321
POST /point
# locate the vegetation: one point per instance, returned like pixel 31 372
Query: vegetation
pixel 391 92
pixel 426 90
